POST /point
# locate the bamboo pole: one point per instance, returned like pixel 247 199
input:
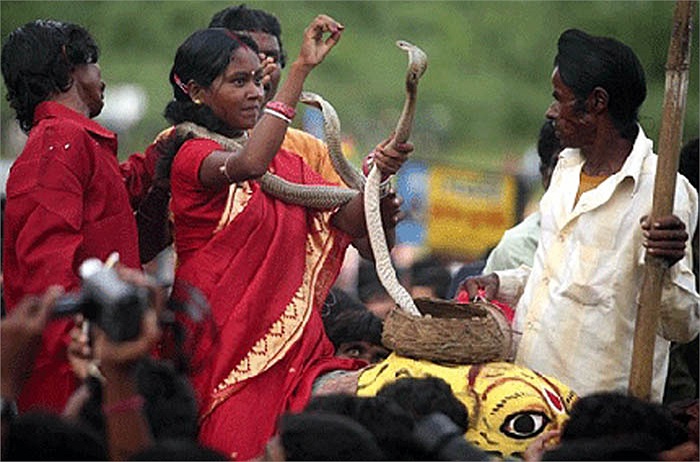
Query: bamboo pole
pixel 670 135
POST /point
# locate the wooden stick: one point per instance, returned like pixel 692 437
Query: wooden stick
pixel 670 137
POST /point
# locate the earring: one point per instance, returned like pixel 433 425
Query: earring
pixel 197 101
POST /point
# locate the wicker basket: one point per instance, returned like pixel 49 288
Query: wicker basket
pixel 450 332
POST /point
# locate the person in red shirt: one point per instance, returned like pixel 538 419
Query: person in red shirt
pixel 68 198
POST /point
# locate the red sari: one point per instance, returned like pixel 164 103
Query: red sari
pixel 266 268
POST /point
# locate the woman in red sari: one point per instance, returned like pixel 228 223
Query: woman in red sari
pixel 265 266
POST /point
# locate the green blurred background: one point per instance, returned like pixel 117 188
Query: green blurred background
pixel 481 102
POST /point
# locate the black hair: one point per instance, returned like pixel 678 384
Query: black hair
pixel 430 272
pixel 424 396
pixel 688 162
pixel 348 320
pixel 548 145
pixel 628 447
pixel 368 283
pixel 587 61
pixel 202 57
pixel 243 19
pixel 170 406
pixel 37 61
pixel 325 436
pixel 44 436
pixel 178 449
pixel 391 425
pixel 615 414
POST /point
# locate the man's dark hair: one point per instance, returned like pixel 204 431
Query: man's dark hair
pixel 348 320
pixel 688 162
pixel 611 414
pixel 424 396
pixel 391 425
pixel 430 272
pixel 243 19
pixel 325 436
pixel 202 57
pixel 627 447
pixel 43 436
pixel 368 284
pixel 37 61
pixel 170 406
pixel 178 449
pixel 586 62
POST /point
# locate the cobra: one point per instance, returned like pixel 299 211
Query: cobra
pixel 329 197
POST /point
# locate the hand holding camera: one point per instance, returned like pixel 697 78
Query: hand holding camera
pixel 108 300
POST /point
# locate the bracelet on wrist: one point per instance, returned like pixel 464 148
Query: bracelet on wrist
pixel 277 114
pixel 385 188
pixel 282 108
pixel 224 169
pixel 132 403
pixel 367 166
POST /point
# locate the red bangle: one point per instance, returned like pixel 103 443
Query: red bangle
pixel 133 403
pixel 284 109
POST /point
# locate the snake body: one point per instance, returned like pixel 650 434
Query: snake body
pixel 315 197
pixel 331 129
pixel 329 197
pixel 417 64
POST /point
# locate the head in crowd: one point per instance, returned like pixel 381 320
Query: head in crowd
pixel 178 449
pixel 354 331
pixel 45 58
pixel 322 436
pixel 627 447
pixel 43 436
pixel 264 29
pixel 390 424
pixel 205 62
pixel 429 278
pixel 442 439
pixel 424 396
pixel 371 292
pixel 548 149
pixel 600 70
pixel 170 405
pixel 611 414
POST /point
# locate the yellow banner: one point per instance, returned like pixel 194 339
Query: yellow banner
pixel 468 211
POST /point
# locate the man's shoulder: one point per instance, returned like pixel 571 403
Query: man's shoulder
pixel 56 127
pixel 527 228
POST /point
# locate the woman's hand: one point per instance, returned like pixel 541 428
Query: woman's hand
pixel 389 156
pixel 314 48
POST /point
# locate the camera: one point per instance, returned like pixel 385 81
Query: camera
pixel 105 299
pixel 440 437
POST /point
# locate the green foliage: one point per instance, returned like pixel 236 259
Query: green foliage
pixel 482 98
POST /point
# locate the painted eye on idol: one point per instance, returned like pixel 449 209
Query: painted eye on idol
pixel 525 424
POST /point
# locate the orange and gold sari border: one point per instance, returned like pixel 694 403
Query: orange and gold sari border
pixel 289 327
pixel 239 195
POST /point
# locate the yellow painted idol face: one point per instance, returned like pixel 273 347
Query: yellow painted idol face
pixel 509 405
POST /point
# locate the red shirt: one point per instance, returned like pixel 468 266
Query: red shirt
pixel 67 200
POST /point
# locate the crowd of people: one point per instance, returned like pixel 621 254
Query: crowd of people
pixel 234 361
